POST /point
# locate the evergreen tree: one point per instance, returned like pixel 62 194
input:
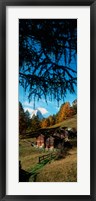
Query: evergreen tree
pixel 28 120
pixel 35 123
pixel 22 119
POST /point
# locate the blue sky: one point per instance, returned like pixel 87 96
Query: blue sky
pixel 34 46
pixel 51 107
pixel 46 109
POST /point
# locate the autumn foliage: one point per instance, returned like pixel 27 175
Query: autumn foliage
pixel 65 112
pixel 27 124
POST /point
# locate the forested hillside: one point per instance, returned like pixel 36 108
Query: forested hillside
pixel 28 123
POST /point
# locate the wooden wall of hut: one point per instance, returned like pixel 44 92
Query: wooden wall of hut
pixel 40 141
pixel 49 143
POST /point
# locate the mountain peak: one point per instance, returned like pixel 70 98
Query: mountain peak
pixel 37 113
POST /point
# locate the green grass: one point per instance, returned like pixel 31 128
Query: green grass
pixel 62 170
pixel 29 155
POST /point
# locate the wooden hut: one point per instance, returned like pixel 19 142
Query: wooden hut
pixel 40 141
pixel 49 143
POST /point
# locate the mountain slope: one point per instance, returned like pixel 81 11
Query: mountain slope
pixel 38 114
pixel 72 123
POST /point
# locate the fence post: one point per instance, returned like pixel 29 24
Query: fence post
pixel 48 156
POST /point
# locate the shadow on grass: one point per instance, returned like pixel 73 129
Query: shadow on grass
pixel 25 176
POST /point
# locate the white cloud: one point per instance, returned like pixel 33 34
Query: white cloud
pixel 42 110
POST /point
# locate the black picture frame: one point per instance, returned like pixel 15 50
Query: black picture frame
pixel 3 4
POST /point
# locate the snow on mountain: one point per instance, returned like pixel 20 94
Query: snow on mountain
pixel 37 113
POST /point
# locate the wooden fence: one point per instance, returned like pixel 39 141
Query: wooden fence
pixel 48 156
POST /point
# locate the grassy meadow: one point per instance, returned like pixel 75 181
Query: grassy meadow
pixel 61 170
pixel 71 123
